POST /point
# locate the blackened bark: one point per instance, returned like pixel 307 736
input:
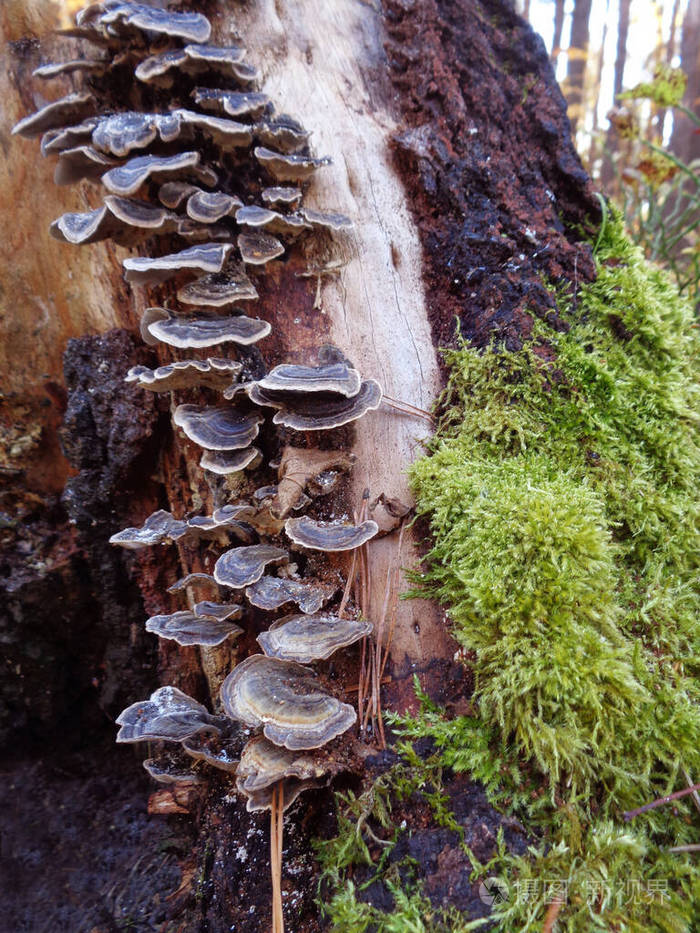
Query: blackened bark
pixel 494 181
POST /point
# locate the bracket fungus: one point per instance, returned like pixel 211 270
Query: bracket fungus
pixel 159 528
pixel 201 148
pixel 233 103
pixel 219 428
pixel 59 113
pixel 207 330
pixel 205 257
pixel 273 592
pixel 169 715
pixel 288 167
pixel 242 566
pixel 264 764
pixel 219 289
pixel 311 637
pixel 286 700
pixel 127 179
pixel 225 462
pixel 184 374
pixel 257 249
pixel 329 536
pixel 173 768
pixel 337 377
pixel 186 628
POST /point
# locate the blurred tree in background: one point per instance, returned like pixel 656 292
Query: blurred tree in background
pixel 631 76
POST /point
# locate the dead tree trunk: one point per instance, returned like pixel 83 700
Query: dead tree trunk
pixel 452 154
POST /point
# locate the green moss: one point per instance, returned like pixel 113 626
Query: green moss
pixel 561 491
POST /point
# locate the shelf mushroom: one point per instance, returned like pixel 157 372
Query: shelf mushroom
pixel 305 638
pixel 187 628
pixel 329 536
pixel 217 428
pixel 242 566
pixel 206 330
pixel 169 715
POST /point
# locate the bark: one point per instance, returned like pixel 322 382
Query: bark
pixel 452 152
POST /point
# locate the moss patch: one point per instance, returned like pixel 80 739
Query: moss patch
pixel 562 494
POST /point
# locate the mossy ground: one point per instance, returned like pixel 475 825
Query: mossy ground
pixel 561 490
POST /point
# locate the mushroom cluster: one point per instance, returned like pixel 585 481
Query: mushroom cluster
pixel 186 176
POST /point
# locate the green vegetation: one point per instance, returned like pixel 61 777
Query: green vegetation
pixel 561 490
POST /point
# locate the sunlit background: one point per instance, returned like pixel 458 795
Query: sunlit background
pixel 646 158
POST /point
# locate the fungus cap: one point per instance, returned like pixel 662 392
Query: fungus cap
pixel 59 113
pixel 225 462
pixel 311 637
pixel 283 132
pixel 207 207
pixel 207 330
pixel 205 257
pixel 288 167
pixel 213 373
pixel 257 249
pixel 81 162
pixel 217 428
pixel 186 628
pixel 329 536
pixel 242 566
pixel 219 289
pixel 289 197
pixel 233 103
pixel 219 611
pixel 169 714
pixel 286 700
pixel 273 592
pixel 219 751
pixel 173 768
pixel 321 413
pixel 338 377
pixel 190 579
pixel 127 179
pixel 158 528
pixel 263 218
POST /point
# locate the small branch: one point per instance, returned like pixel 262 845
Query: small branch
pixel 552 914
pixel 691 847
pixel 630 814
pixel 407 409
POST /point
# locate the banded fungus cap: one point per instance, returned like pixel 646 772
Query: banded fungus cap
pixel 149 317
pixel 288 197
pixel 54 69
pixel 59 113
pixel 311 637
pixel 219 751
pixel 251 215
pixel 173 193
pixel 186 628
pixel 213 373
pixel 169 714
pixel 242 566
pixel 233 103
pixel 286 700
pixel 273 592
pixel 207 207
pixel 191 579
pixel 127 179
pixel 158 528
pixel 207 330
pixel 338 378
pixel 81 162
pixel 330 220
pixel 225 133
pixel 204 257
pixel 283 132
pixel 191 27
pixel 219 289
pixel 219 611
pixel 257 249
pixel 226 462
pixel 263 765
pixel 288 167
pixel 217 428
pixel 320 412
pixel 68 137
pixel 329 536
pixel 173 767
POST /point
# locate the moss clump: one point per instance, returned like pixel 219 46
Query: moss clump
pixel 562 494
